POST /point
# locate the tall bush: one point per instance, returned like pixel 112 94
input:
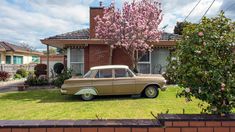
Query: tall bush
pixel 204 64
pixel 58 82
pixel 40 69
pixel 4 76
pixel 58 68
pixel 22 72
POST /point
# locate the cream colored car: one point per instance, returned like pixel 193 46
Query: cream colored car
pixel 113 80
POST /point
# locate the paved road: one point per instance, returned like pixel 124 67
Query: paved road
pixel 11 86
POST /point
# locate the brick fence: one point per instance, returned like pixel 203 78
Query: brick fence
pixel 165 123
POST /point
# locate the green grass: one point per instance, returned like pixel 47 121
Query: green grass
pixel 49 104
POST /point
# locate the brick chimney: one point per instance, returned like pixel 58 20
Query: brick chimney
pixel 95 11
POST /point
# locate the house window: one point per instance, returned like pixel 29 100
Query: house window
pixel 144 64
pixel 35 59
pixel 8 59
pixel 18 60
pixel 77 61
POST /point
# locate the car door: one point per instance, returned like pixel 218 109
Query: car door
pixel 123 82
pixel 103 81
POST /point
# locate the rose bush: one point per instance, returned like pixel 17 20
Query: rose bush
pixel 205 64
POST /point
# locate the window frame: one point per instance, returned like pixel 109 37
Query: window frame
pixel 38 58
pixel 78 62
pixel 8 56
pixel 145 62
pixel 15 57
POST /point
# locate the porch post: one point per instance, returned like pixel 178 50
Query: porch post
pixel 68 58
pixel 48 70
pixel 12 58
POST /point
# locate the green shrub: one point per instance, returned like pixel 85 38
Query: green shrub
pixel 204 64
pixel 4 76
pixel 40 69
pixel 58 82
pixel 169 75
pixel 33 80
pixel 17 76
pixel 22 72
pixel 58 68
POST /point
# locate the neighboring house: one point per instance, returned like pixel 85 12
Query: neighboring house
pixel 14 54
pixel 85 51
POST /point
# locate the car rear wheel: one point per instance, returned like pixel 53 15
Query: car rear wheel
pixel 87 96
pixel 151 92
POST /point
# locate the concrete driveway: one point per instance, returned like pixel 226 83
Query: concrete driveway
pixel 10 85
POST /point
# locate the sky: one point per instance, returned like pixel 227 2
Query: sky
pixel 28 21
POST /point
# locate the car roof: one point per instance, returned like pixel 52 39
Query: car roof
pixel 109 67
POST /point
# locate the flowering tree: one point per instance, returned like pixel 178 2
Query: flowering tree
pixel 132 28
pixel 204 64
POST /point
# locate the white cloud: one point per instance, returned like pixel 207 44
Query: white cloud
pixel 177 10
pixel 41 19
pixel 31 20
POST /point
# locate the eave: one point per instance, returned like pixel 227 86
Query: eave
pixel 64 43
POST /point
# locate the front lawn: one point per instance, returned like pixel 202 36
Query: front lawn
pixel 49 104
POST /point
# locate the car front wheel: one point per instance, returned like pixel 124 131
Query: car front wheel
pixel 151 92
pixel 87 96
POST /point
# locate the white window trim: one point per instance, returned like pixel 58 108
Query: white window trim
pixel 147 62
pixel 69 62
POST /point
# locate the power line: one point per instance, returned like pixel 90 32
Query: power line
pixel 208 9
pixel 192 10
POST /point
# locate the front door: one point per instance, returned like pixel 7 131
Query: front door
pixel 123 83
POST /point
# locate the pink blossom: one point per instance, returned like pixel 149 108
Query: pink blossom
pixel 132 27
pixel 200 34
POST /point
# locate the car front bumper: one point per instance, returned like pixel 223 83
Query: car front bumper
pixel 62 91
pixel 163 88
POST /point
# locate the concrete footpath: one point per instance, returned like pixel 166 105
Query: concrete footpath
pixel 10 85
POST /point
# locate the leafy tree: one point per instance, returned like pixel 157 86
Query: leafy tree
pixel 180 26
pixel 132 27
pixel 27 46
pixel 204 65
pixel 52 51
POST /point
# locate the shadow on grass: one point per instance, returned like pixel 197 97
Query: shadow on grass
pixel 53 96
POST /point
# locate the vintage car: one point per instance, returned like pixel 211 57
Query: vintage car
pixel 113 80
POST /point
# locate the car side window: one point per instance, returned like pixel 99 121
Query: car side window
pixel 104 73
pixel 121 73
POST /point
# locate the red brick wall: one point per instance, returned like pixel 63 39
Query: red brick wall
pixel 93 13
pixel 120 57
pixel 172 126
pixel 96 55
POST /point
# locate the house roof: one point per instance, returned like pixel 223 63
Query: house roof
pixel 85 34
pixel 78 34
pixel 5 46
pixel 82 37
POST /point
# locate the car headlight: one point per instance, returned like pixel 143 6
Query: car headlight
pixel 165 81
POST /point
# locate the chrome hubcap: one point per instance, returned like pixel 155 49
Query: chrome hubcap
pixel 151 92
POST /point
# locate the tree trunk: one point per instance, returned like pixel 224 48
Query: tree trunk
pixel 134 61
pixel 110 55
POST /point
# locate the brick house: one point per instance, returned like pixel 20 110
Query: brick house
pixel 85 51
